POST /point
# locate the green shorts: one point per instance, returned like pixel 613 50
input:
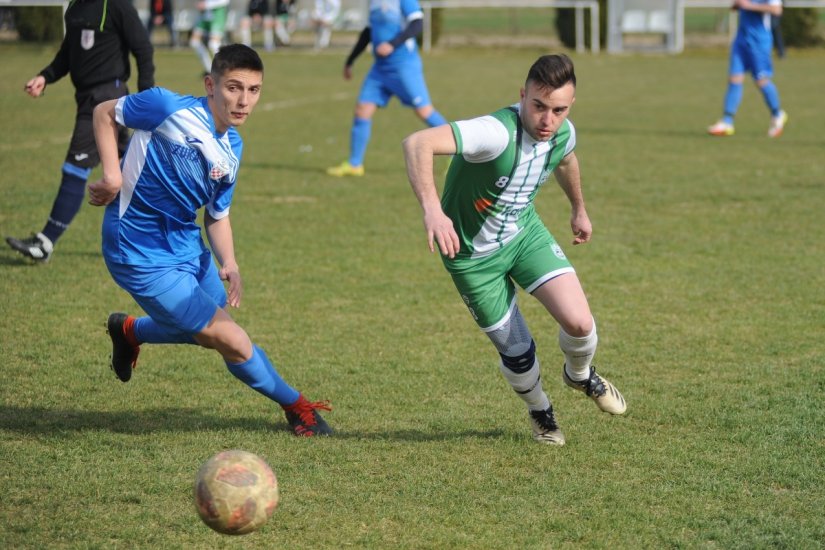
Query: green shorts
pixel 213 22
pixel 487 284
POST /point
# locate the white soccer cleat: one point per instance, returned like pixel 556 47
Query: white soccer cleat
pixel 597 388
pixel 721 128
pixel 778 124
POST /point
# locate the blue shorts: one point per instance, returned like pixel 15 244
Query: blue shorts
pixel 754 58
pixel 184 297
pixel 406 82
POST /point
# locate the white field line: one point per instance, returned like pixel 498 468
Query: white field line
pixel 297 102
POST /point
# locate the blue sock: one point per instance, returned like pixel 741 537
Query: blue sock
pixel 359 138
pixel 435 119
pixel 149 331
pixel 259 374
pixel 68 201
pixel 733 97
pixel 771 95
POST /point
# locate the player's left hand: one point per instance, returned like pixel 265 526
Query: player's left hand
pixel 581 226
pixel 235 290
pixel 384 49
pixel 102 192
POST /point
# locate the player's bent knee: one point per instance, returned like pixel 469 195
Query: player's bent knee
pixel 520 363
pixel 578 328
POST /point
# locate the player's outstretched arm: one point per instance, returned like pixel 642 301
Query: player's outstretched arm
pixel 219 233
pixel 360 45
pixel 569 177
pixel 104 191
pixel 419 149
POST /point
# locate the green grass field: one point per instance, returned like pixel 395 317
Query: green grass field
pixel 705 275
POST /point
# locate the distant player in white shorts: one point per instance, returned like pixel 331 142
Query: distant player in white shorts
pixel 323 18
pixel 491 237
pixel 212 24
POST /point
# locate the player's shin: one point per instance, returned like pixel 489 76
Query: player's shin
pixel 435 119
pixel 259 374
pixel 359 138
pixel 523 373
pixel 68 201
pixel 578 353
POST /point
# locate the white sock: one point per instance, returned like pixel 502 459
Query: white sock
pixel 203 54
pixel 578 353
pixel 283 35
pixel 246 36
pixel 527 385
pixel 326 34
pixel 214 44
pixel 269 39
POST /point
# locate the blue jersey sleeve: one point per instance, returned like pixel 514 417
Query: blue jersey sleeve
pixel 148 109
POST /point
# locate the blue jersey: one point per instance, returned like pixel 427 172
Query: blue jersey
pixel 387 19
pixel 755 27
pixel 176 163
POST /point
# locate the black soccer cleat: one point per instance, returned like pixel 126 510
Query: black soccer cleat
pixel 545 428
pixel 124 354
pixel 304 419
pixel 38 247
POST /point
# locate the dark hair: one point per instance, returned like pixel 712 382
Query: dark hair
pixel 552 71
pixel 236 56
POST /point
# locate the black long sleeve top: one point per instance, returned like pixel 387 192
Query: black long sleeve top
pixel 100 34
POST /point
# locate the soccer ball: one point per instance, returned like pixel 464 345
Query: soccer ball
pixel 235 492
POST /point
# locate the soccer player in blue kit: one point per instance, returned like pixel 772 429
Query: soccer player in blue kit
pixel 184 154
pixel 751 51
pixel 393 26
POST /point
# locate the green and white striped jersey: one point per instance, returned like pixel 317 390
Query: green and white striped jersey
pixel 494 177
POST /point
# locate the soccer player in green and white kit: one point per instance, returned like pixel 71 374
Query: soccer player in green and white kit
pixel 491 238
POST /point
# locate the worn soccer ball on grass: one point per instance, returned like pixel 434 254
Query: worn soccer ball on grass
pixel 235 492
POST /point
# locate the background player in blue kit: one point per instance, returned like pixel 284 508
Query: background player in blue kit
pixel 184 155
pixel 393 26
pixel 751 51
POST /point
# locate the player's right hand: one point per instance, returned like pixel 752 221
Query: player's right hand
pixel 440 230
pixel 35 86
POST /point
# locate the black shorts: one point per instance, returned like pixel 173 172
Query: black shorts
pixel 83 149
pixel 282 8
pixel 258 7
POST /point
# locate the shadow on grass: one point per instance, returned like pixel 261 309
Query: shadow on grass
pixel 43 421
pixel 20 260
pixel 322 170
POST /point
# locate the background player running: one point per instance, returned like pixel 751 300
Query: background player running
pixel 393 26
pixel 751 51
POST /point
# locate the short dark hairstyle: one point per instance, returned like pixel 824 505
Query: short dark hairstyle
pixel 552 71
pixel 236 56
